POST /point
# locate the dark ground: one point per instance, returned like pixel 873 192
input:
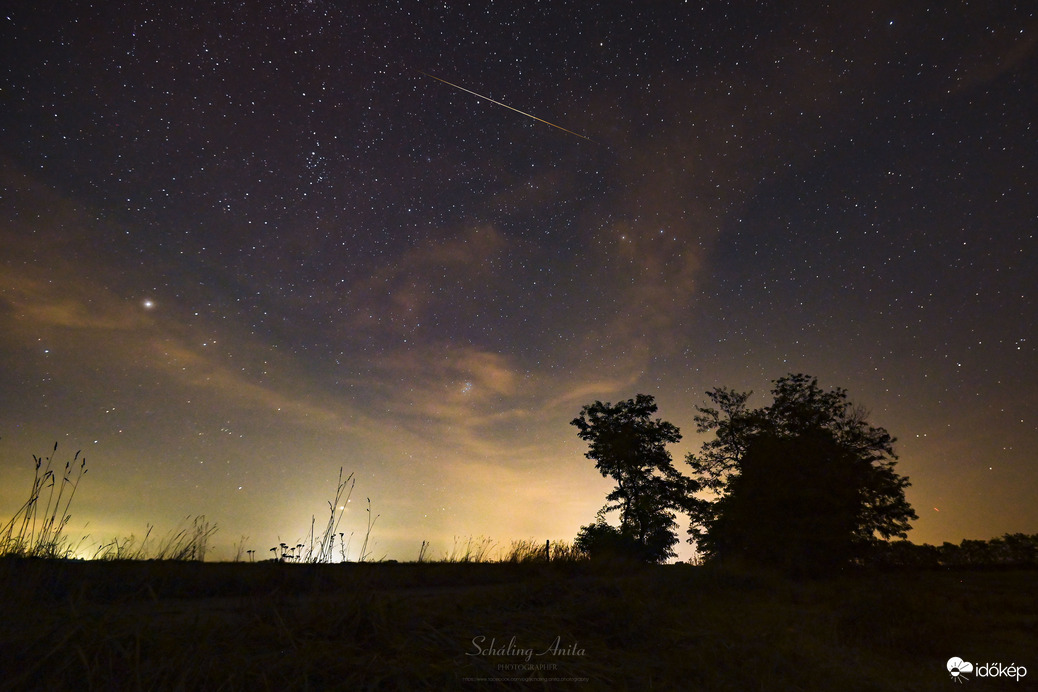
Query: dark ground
pixel 239 626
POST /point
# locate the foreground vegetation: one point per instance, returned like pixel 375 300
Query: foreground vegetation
pixel 153 625
pixel 602 619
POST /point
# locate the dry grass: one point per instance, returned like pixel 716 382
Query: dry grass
pixel 474 549
pixel 36 531
pixel 535 551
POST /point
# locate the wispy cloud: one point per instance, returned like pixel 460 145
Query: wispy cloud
pixel 407 290
pixel 36 302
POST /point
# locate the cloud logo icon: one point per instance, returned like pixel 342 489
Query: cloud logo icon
pixel 957 667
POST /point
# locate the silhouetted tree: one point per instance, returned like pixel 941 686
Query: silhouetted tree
pixel 628 445
pixel 804 483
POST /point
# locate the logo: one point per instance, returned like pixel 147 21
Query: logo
pixel 958 668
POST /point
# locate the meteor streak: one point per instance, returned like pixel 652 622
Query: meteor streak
pixel 505 105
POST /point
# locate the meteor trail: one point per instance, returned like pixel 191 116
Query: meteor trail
pixel 498 103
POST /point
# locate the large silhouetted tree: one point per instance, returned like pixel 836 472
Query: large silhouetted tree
pixel 803 483
pixel 630 447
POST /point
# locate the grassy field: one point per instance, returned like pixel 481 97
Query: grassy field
pixel 154 625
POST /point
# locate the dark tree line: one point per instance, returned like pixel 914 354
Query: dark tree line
pixel 805 483
pixel 1010 550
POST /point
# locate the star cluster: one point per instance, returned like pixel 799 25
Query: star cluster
pixel 241 246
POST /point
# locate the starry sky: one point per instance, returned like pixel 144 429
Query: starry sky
pixel 243 245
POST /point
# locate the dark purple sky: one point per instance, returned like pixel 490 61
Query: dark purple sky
pixel 242 247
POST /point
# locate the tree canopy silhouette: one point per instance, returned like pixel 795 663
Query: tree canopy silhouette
pixel 628 445
pixel 804 483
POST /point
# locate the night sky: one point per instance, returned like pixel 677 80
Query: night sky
pixel 244 244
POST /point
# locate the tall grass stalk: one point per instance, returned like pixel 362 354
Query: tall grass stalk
pixel 239 548
pixel 336 509
pixel 475 550
pixel 127 549
pixel 367 535
pixel 41 534
pixel 344 545
pixel 535 551
pixel 189 543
